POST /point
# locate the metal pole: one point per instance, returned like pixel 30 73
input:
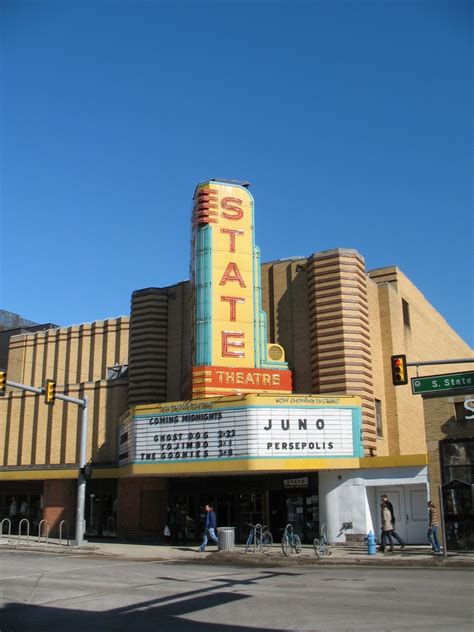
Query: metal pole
pixel 72 400
pixel 81 481
pixel 24 387
pixel 441 515
pixel 40 391
pixel 432 362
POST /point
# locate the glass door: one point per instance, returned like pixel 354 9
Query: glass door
pixel 251 510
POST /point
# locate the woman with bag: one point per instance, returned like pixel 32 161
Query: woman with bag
pixel 387 528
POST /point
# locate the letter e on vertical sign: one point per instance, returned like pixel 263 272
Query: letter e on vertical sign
pixel 235 340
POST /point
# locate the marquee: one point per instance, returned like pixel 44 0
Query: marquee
pixel 242 429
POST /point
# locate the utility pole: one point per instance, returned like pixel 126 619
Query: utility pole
pixel 50 397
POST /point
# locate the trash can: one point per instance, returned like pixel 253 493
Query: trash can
pixel 226 538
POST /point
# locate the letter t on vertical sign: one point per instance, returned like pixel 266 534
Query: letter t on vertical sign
pixel 233 300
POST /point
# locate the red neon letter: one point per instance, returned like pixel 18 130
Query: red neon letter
pixel 232 233
pixel 233 300
pixel 238 343
pixel 229 204
pixel 232 273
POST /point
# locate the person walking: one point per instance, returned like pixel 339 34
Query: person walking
pixel 394 533
pixel 209 528
pixel 387 528
pixel 173 526
pixel 167 530
pixel 433 526
pixel 13 513
pixel 181 522
pixel 13 509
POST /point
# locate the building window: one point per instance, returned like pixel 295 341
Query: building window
pixel 117 372
pixel 460 411
pixel 378 417
pixel 406 313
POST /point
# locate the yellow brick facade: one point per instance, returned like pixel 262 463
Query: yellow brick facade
pixel 37 436
pixel 428 337
pixel 69 355
pixel 338 324
pixel 77 358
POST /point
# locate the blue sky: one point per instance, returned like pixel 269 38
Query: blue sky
pixel 352 121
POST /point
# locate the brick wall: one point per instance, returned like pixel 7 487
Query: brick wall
pixel 59 503
pixel 427 337
pixel 69 355
pixel 33 433
pixel 285 301
pixel 341 353
pixel 142 507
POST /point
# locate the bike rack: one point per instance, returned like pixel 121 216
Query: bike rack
pixel 24 520
pixel 257 542
pixel 46 524
pixel 7 520
pixel 61 524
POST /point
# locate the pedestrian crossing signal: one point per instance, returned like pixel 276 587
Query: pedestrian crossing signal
pixel 50 392
pixel 86 471
pixel 399 370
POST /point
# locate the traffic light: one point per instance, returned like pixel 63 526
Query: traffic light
pixel 399 370
pixel 3 383
pixel 50 392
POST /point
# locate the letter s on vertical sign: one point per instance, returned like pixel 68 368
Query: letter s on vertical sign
pixel 233 205
pixel 469 405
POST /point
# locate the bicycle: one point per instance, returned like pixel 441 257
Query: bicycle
pixel 321 544
pixel 260 537
pixel 290 541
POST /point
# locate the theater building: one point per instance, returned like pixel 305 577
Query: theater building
pixel 262 388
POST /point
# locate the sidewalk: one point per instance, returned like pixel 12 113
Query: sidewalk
pixel 416 556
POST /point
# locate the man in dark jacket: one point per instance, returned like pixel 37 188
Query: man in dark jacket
pixel 209 528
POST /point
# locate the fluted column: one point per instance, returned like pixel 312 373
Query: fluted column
pixel 339 331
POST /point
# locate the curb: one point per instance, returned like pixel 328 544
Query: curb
pixel 230 558
pixel 269 561
pixel 48 548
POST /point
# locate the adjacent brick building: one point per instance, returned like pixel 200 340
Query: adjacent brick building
pixel 450 444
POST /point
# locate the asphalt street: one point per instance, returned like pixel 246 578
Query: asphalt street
pixel 54 592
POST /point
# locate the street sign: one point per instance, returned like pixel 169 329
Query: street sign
pixel 447 382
